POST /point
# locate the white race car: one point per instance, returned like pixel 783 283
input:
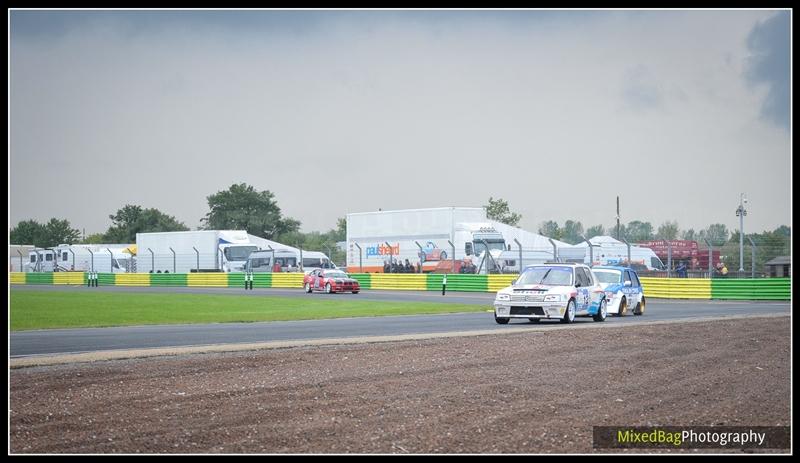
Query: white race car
pixel 554 291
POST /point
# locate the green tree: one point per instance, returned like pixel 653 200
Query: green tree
pixel 717 234
pixel 572 232
pixel 667 231
pixel 596 230
pixel 550 229
pixel 27 232
pixel 60 232
pixel 132 219
pixel 498 210
pixel 340 233
pixel 95 238
pixel 53 233
pixel 690 235
pixel 638 231
pixel 241 207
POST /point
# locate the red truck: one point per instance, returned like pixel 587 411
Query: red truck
pixel 689 251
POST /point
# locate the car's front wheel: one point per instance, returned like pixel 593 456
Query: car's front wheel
pixel 308 288
pixel 639 310
pixel 602 312
pixel 327 288
pixel 355 292
pixel 569 315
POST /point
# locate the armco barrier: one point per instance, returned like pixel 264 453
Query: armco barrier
pixel 498 282
pixel 207 279
pixel 133 279
pixel 164 279
pixel 410 281
pixel 669 288
pixel 458 282
pixel 68 278
pixel 39 279
pixel 676 288
pixel 364 279
pixel 749 289
pixel 287 280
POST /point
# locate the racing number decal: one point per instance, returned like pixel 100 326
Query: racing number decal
pixel 585 294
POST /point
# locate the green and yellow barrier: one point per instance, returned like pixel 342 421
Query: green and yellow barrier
pixel 408 281
pixel 677 288
pixel 666 288
pixel 287 280
pixel 749 289
pixel 208 279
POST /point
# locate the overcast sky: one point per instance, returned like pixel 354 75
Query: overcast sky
pixel 677 112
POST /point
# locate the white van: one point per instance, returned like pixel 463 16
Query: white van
pixel 261 261
pixel 313 260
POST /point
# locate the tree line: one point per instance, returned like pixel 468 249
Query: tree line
pixel 240 207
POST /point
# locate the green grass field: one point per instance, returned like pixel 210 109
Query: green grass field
pixel 33 310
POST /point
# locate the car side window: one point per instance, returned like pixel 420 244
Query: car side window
pixel 628 277
pixel 580 277
pixel 588 276
pixel 635 279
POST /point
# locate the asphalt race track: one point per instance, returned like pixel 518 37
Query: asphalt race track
pixel 62 341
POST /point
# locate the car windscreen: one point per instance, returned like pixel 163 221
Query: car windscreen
pixel 608 276
pixel 336 275
pixel 557 276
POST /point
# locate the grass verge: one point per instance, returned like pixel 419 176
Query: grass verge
pixel 32 310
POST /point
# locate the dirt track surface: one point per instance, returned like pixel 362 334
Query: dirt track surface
pixel 518 393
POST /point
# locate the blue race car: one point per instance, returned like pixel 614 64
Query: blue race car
pixel 623 289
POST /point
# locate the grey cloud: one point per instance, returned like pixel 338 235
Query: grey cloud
pixel 769 44
pixel 640 91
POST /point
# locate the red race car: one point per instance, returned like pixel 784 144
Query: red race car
pixel 330 281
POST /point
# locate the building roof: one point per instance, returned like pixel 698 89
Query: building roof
pixel 780 260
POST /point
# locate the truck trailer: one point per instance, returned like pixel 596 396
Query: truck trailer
pixel 103 258
pixel 194 251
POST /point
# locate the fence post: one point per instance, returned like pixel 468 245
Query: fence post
pixel 629 249
pixel 752 257
pixel 300 264
pixel 669 258
pixel 173 259
pixel 420 253
pixel 20 259
pixel 555 250
pixel 520 254
pixel 453 246
pixel 111 261
pixel 360 267
pixel 710 258
pixel 444 284
pixel 494 264
pixel 91 254
pixel 591 251
pixel 152 261
pixel 198 258
pixel 390 251
pixel 271 262
pixel 73 258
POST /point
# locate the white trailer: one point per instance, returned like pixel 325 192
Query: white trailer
pixel 421 236
pixel 193 251
pixel 103 258
pixel 609 251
